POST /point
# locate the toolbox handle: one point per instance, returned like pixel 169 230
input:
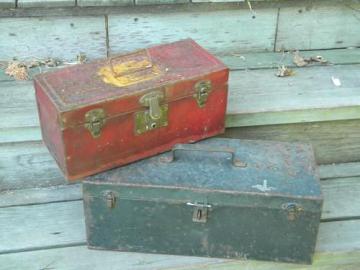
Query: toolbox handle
pixel 200 148
pixel 118 74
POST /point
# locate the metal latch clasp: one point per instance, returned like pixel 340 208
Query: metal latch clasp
pixel 200 212
pixel 202 91
pixel 110 199
pixel 155 117
pixel 94 121
pixel 152 100
pixel 293 210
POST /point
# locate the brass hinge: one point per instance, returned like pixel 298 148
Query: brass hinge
pixel 200 211
pixel 293 210
pixel 202 91
pixel 94 121
pixel 153 118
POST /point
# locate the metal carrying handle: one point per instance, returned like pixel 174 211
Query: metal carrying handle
pixel 118 74
pixel 199 205
pixel 199 148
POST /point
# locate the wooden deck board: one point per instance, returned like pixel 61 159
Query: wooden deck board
pixel 46 225
pixel 318 26
pixel 221 37
pixel 259 92
pixel 309 96
pixel 333 141
pixel 27 165
pixel 81 258
pixel 29 38
pixel 341 197
pixel 265 60
pixel 258 60
pixel 339 170
pixel 60 224
pixel 30 196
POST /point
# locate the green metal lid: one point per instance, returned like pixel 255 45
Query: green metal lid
pixel 227 166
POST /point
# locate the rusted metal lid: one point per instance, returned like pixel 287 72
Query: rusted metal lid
pixel 127 75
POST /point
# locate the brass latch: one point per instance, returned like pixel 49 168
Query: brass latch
pixel 94 121
pixel 200 212
pixel 110 199
pixel 293 210
pixel 202 91
pixel 153 118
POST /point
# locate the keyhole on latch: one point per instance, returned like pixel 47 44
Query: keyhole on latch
pixel 153 125
pixel 199 214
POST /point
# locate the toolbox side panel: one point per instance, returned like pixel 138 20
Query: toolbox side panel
pixel 50 125
pixel 119 144
pixel 229 232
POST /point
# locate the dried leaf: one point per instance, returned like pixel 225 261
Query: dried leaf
pixel 318 59
pixel 52 62
pixel 81 58
pixel 283 71
pixel 299 60
pixel 17 70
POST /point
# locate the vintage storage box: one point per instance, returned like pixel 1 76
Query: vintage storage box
pixel 107 113
pixel 219 198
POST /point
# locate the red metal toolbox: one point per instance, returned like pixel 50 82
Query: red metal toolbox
pixel 111 112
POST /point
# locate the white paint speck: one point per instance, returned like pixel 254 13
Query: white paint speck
pixel 264 187
pixel 336 81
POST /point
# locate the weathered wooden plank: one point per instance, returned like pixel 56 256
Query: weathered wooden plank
pixel 81 258
pixel 159 2
pixel 333 141
pixel 18 105
pixel 339 170
pixel 59 224
pixel 256 97
pixel 40 195
pixel 29 38
pixel 318 26
pixel 337 141
pixel 33 227
pixel 339 235
pixel 259 60
pixel 27 165
pixel 264 60
pixel 215 1
pixel 309 95
pixel 322 261
pixel 341 197
pixel 45 3
pixel 7 3
pixel 96 3
pixel 221 36
pixel 21 134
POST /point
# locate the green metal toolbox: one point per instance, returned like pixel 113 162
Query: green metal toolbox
pixel 218 198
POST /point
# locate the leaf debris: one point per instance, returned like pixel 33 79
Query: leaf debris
pixel 17 70
pixel 301 61
pixel 284 71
